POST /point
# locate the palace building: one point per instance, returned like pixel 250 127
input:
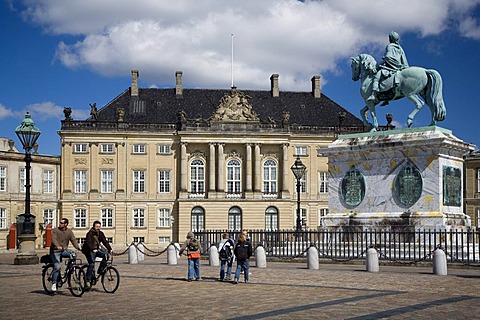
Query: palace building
pixel 154 163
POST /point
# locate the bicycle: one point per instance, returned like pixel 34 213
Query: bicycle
pixel 108 275
pixel 73 274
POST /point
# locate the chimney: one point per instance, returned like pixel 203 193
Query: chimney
pixel 134 87
pixel 316 87
pixel 178 83
pixel 274 85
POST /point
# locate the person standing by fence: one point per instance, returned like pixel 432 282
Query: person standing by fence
pixel 225 252
pixel 192 245
pixel 243 252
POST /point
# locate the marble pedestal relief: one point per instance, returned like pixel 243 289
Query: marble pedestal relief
pixel 408 178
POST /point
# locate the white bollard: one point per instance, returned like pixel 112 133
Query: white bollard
pixel 141 252
pixel 372 260
pixel 260 257
pixel 213 257
pixel 177 246
pixel 439 262
pixel 132 255
pixel 312 258
pixel 172 255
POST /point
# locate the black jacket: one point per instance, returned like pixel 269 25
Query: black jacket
pixel 93 240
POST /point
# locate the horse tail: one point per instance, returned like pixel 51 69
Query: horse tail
pixel 434 95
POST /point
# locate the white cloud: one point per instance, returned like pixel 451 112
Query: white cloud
pixel 292 38
pixel 44 110
pixel 5 112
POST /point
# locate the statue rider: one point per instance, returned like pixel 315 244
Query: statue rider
pixel 393 60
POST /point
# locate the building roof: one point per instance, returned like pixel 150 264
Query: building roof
pixel 163 106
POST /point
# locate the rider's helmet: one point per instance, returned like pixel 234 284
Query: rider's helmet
pixel 393 37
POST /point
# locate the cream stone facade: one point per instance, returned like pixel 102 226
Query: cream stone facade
pixel 45 177
pixel 472 187
pixel 156 163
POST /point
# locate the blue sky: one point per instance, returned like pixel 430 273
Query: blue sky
pixel 65 53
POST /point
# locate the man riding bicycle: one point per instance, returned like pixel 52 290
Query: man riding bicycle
pixel 61 236
pixel 91 249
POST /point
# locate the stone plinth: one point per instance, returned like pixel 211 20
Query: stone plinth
pixel 26 250
pixel 408 177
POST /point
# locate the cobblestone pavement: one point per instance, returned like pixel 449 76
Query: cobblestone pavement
pixel 154 290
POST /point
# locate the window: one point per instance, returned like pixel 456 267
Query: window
pixel 163 217
pixel 163 239
pixel 322 212
pixel 138 148
pixel 106 181
pixel 139 239
pixel 81 241
pixel 270 176
pixel 106 148
pixel 235 219
pixel 300 150
pixel 233 176
pixel 197 176
pixel 303 216
pixel 477 210
pixel 3 218
pixel 3 179
pixel 163 181
pixel 478 180
pixel 80 218
pixel 198 219
pixel 138 218
pixel 271 219
pixel 323 182
pixel 164 149
pixel 109 239
pixel 139 181
pixel 80 181
pixel 107 218
pixel 303 184
pixel 49 217
pixel 47 181
pixel 80 148
pixel 22 180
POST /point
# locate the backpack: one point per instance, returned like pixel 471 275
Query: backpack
pixel 193 245
pixel 242 252
pixel 226 251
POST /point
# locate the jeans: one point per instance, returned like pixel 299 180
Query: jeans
pixel 56 257
pixel 91 262
pixel 193 268
pixel 222 268
pixel 245 265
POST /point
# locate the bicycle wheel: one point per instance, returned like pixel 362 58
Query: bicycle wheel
pixel 110 279
pixel 47 279
pixel 76 281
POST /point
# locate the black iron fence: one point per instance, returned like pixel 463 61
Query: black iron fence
pixel 398 246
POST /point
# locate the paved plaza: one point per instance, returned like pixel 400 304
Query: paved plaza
pixel 284 290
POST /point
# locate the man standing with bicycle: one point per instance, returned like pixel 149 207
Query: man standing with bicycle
pixel 91 249
pixel 61 236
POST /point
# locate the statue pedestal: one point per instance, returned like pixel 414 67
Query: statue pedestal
pixel 26 251
pixel 407 178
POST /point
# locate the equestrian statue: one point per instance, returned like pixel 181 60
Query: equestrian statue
pixel 395 79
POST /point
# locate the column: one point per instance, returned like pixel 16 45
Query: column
pixel 221 168
pixel 183 167
pixel 212 166
pixel 248 183
pixel 257 182
pixel 285 169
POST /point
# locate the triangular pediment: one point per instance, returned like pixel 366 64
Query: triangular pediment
pixel 234 106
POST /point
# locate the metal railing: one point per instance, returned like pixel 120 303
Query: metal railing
pixel 460 246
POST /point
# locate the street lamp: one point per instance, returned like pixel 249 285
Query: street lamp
pixel 298 170
pixel 27 134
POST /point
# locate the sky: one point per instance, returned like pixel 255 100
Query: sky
pixel 70 53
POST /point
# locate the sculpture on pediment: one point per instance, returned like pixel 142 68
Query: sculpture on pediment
pixel 67 111
pixel 93 111
pixel 234 106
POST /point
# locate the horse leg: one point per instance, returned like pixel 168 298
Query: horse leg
pixel 371 107
pixel 418 105
pixel 363 113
